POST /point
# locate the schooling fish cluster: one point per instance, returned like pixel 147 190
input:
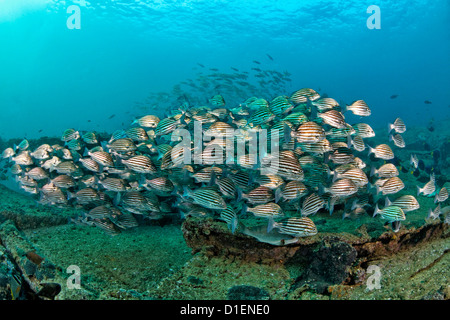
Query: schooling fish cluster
pixel 281 161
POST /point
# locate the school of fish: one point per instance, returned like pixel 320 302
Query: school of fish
pixel 142 170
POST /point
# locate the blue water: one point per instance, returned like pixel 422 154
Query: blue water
pixel 53 77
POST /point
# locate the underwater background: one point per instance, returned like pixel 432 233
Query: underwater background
pixel 76 77
pixel 54 77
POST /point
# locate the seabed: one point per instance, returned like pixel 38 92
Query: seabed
pixel 357 259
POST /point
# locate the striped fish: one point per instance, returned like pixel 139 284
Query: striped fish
pixel 357 143
pixel 414 161
pixel 296 118
pixel 89 137
pixel 64 181
pixel 125 221
pixel 23 158
pixel 122 145
pixel 428 189
pixel 261 116
pixel 406 203
pixel 132 199
pixel 359 108
pixel 160 184
pixel 113 184
pixel 118 134
pixel 101 157
pixel 280 105
pixel 325 104
pixel 165 126
pixel 227 187
pixel 387 170
pixel 16 169
pixel 340 133
pixel 295 226
pixel 434 214
pixel 65 167
pixel 271 181
pixel 51 194
pixel 341 155
pixel 287 167
pixel 229 215
pixel 441 196
pixel 259 195
pixel 342 188
pixel 90 164
pixel 107 226
pixel 363 130
pixel 23 145
pixel 318 147
pixel 266 210
pixel 382 151
pixel 241 179
pixel 309 132
pixel 217 101
pixel 398 126
pixel 293 190
pixel 84 196
pixel 220 129
pixel 333 118
pixel 358 176
pixel 205 174
pixel 137 134
pixel 98 212
pixel 398 140
pixel 148 121
pixel 74 144
pixel 257 104
pixel 140 163
pixel 312 204
pixel 390 213
pixel 70 134
pixel 206 198
pixel 391 186
pixel 8 153
pixel 37 173
pixel 303 95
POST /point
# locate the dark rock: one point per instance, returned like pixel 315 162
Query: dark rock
pixel 245 292
pixel 49 290
pixel 327 266
pixel 194 280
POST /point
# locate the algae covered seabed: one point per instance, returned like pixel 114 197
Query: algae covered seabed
pixel 194 259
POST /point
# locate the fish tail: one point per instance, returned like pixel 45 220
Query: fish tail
pixel 278 195
pixel 377 210
pixel 270 224
pixel 287 132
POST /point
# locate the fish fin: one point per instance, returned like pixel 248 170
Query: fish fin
pixel 212 180
pixel 117 198
pixel 270 224
pixel 278 195
pixel 349 142
pixel 86 152
pixel 396 225
pixel 376 211
pixel 244 209
pixel 239 196
pixel 314 111
pixel 387 202
pixel 287 132
pixel 234 224
pixel 419 190
pixel 373 170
